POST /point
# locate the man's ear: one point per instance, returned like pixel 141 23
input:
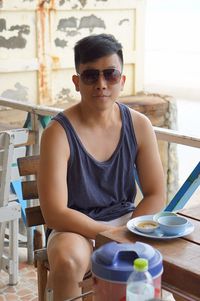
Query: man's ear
pixel 123 80
pixel 75 79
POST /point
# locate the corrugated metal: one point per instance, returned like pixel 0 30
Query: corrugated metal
pixel 37 39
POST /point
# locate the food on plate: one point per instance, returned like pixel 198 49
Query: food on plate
pixel 146 226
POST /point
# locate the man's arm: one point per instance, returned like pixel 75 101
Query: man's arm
pixel 149 167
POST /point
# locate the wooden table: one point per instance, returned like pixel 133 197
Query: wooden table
pixel 181 256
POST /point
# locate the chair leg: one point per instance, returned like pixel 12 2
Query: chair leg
pixel 37 242
pixel 13 250
pixel 30 249
pixel 42 280
pixel 2 235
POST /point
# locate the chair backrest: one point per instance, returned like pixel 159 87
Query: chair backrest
pixel 12 146
pixel 6 153
pixel 28 167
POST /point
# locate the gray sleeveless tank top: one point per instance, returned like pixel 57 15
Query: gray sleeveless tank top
pixel 102 190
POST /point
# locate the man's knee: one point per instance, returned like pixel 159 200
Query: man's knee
pixel 68 264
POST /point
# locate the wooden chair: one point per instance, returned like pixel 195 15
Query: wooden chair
pixel 11 147
pixel 28 166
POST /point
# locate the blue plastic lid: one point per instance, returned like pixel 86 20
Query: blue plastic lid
pixel 114 261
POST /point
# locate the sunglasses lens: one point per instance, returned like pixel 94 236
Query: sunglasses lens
pixel 90 76
pixel 112 76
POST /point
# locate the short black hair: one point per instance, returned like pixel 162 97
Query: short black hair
pixel 94 47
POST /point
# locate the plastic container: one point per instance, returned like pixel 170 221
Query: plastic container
pixel 139 285
pixel 113 263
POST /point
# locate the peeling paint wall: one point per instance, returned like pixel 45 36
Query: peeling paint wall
pixel 17 40
pixel 37 39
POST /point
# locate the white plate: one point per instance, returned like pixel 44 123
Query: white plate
pixel 156 233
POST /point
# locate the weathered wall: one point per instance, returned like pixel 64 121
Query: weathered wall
pixel 37 39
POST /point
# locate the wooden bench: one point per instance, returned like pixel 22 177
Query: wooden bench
pixel 28 167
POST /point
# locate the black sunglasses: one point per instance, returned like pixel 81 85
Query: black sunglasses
pixel 91 76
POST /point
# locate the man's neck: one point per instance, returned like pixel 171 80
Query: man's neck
pixel 99 118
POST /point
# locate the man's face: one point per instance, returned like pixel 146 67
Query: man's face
pixel 100 82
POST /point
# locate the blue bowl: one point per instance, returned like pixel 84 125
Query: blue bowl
pixel 172 225
pixel 163 213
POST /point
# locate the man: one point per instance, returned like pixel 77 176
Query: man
pixel 87 164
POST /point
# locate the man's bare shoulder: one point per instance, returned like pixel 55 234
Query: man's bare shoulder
pixel 142 126
pixel 54 136
pixel 139 118
pixel 53 128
